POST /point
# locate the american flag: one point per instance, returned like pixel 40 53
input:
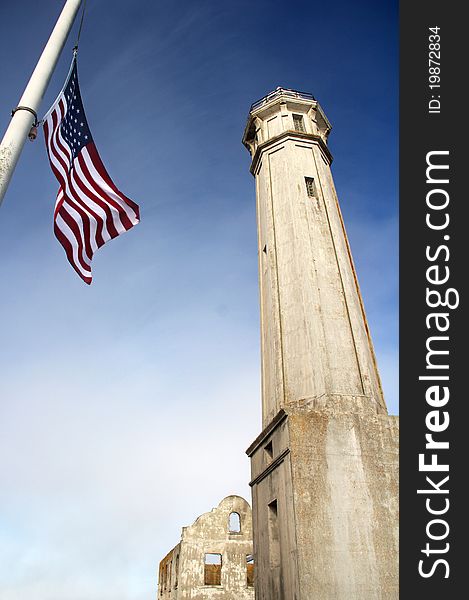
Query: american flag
pixel 89 209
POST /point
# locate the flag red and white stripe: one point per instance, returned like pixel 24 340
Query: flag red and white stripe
pixel 89 209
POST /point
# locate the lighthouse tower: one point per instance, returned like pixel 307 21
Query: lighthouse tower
pixel 324 468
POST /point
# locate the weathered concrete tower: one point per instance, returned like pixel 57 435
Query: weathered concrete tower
pixel 325 467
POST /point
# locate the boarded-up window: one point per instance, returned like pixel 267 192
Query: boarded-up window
pixel 212 569
pixel 235 523
pixel 250 570
pixel 298 123
pixel 273 127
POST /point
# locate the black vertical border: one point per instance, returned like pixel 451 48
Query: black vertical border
pixel 420 133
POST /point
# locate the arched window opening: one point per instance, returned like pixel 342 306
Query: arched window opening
pixel 235 523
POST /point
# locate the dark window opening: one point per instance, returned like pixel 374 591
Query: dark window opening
pixel 176 575
pixel 264 249
pixel 298 123
pixel 269 450
pixel 274 538
pixel 212 569
pixel 311 187
pixel 235 523
pixel 250 570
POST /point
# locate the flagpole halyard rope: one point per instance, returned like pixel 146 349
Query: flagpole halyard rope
pixel 75 48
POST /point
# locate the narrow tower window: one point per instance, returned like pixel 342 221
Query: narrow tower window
pixel 250 570
pixel 274 538
pixel 235 523
pixel 212 569
pixel 298 123
pixel 311 187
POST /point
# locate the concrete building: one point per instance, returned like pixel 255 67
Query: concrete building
pixel 325 467
pixel 213 560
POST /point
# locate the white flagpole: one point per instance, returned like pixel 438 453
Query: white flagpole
pixel 25 115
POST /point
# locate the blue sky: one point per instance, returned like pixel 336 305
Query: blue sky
pixel 126 406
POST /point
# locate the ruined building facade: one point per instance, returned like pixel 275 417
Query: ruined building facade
pixel 325 466
pixel 214 559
